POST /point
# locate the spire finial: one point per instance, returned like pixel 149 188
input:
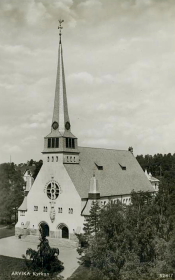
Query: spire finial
pixel 60 27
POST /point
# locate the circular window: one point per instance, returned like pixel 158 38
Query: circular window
pixel 55 125
pixel 53 190
pixel 67 125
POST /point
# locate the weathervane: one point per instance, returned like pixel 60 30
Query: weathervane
pixel 60 27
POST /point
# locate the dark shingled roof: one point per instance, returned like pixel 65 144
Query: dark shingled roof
pixel 23 206
pixel 113 179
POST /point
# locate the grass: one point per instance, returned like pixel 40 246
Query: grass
pixel 9 266
pixel 6 232
pixel 81 273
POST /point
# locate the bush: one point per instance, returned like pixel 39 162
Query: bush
pixel 45 259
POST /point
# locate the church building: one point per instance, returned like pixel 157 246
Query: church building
pixel 71 177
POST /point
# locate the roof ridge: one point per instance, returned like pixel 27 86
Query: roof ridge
pixel 103 149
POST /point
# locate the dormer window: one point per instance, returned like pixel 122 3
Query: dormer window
pixel 70 143
pixel 99 166
pixel 53 142
pixel 122 167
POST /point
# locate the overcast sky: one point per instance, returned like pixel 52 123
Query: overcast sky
pixel 119 58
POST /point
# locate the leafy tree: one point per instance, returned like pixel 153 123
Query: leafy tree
pixel 129 243
pixel 38 165
pixel 158 164
pixel 139 217
pixel 11 190
pixel 45 258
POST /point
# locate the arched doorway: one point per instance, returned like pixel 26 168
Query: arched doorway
pixel 45 228
pixel 63 231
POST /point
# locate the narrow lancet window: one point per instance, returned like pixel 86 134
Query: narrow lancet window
pixel 49 142
pixel 53 142
pixel 57 143
pixel 70 143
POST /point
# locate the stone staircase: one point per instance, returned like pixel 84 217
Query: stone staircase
pixel 53 242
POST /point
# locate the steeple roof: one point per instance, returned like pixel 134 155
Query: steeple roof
pixel 60 112
pixel 60 121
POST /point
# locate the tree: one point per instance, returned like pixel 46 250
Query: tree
pixel 38 165
pixel 45 258
pixel 11 190
pixel 126 245
pixel 91 225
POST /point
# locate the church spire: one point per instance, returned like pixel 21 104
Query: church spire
pixel 60 121
pixel 60 139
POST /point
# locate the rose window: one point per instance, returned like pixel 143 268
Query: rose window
pixel 53 190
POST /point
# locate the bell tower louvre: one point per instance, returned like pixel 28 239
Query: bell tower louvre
pixel 60 139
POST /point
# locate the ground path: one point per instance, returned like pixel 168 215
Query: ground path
pixel 14 247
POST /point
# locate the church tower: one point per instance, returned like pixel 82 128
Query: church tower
pixel 60 140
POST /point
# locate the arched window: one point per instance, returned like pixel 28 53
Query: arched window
pixel 48 159
pixel 52 159
pixel 57 159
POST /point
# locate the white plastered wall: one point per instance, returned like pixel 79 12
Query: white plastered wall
pixel 68 198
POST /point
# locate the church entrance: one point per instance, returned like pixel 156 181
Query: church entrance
pixel 65 232
pixel 45 228
pixel 62 231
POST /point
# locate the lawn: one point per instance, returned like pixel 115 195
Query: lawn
pixel 10 266
pixel 6 232
pixel 81 273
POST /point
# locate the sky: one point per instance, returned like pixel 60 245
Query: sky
pixel 119 59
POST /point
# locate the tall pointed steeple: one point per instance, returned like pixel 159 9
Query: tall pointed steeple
pixel 60 112
pixel 60 139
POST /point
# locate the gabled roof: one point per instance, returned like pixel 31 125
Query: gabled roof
pixel 150 177
pixel 26 168
pixel 153 179
pixel 23 206
pixel 112 180
pixel 87 208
